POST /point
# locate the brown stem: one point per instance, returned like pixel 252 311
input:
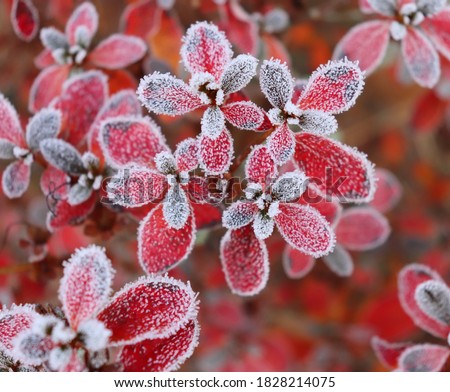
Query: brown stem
pixel 16 268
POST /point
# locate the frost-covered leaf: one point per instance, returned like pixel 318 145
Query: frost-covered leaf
pixel 62 155
pixel 383 7
pixel 421 58
pixel 205 49
pixel 16 179
pixel 118 51
pixel 366 43
pixel 86 284
pixel 362 228
pixel 388 353
pixel 78 194
pixel 433 297
pixel 126 140
pixel 238 73
pixel 318 122
pixel 82 97
pixel 244 261
pixel 161 247
pixel 24 19
pixel 186 155
pixel 423 358
pixel 213 122
pixel 53 39
pixel 388 192
pixel 244 115
pixel 430 7
pixel 176 208
pixel 437 28
pixel 409 279
pixel 149 308
pixel 276 82
pixel 136 186
pixel 365 6
pixel 215 155
pixel 239 214
pixel 297 264
pixel 47 86
pixel 289 187
pixel 333 88
pixel 7 149
pixel 86 16
pixel 161 355
pixel 263 226
pixel 13 321
pixel 339 261
pixel 281 144
pixel 337 169
pixel 43 125
pixel 63 214
pixel 328 207
pixel 305 229
pixel 165 163
pixel 260 167
pixel 55 183
pixel 31 348
pixel 10 128
pixel 165 94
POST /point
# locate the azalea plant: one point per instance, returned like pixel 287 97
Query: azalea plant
pixel 210 144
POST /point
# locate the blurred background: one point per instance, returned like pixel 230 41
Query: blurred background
pixel 320 322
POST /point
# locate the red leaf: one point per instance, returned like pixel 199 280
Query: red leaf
pixel 388 192
pixel 244 261
pixel 149 308
pixel 297 264
pixel 63 214
pixel 186 155
pixel 118 51
pixel 244 115
pixel 206 215
pixel 47 86
pixel 423 358
pixel 126 140
pixel 16 179
pixel 330 210
pixel 161 355
pixel 281 144
pixel 328 163
pixel 14 321
pixel 305 229
pixel 55 183
pixel 437 28
pixel 388 353
pixel 10 128
pixel 140 18
pixel 421 58
pixel 429 112
pixel 25 19
pixel 206 49
pixel 161 247
pixel 84 16
pixel 408 280
pixel 260 167
pixel 367 43
pixel 362 228
pixel 216 154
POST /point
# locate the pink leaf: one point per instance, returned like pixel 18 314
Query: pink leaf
pixel 186 155
pixel 165 94
pixel 136 187
pixel 362 228
pixel 243 115
pixel 423 358
pixel 367 43
pixel 123 103
pixel 86 284
pixel 239 214
pixel 149 308
pixel 421 58
pixel 10 128
pixel 63 214
pixel 244 261
pixel 161 355
pixel 260 167
pixel 206 49
pixel 80 101
pixel 437 28
pixel 55 183
pixel 335 168
pixel 339 261
pixel 297 264
pixel 16 179
pixel 118 51
pixel 408 280
pixel 305 229
pixel 24 19
pixel 47 86
pixel 85 16
pixel 281 144
pixel 126 140
pixel 215 155
pixel 161 247
pixel 333 88
pixel 365 7
pixel 388 353
pixel 388 192
pixel 14 321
